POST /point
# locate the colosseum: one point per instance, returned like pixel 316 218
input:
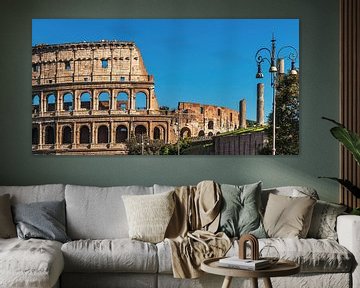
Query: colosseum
pixel 92 97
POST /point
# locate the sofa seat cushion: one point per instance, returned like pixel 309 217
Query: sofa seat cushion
pixel 115 255
pixel 30 263
pixel 313 255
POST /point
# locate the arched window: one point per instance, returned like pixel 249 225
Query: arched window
pixel 104 101
pixel 50 102
pixel 185 132
pixel 84 135
pixel 66 135
pixel 103 134
pixel 121 134
pixel 210 134
pixel 211 125
pixel 35 103
pixel 140 101
pixel 68 102
pixel 140 130
pixel 122 101
pixel 159 133
pixel 201 133
pixel 85 101
pixel 49 135
pixel 35 136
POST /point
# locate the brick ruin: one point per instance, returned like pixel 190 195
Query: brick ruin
pixel 91 97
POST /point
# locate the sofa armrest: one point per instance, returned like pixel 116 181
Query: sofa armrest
pixel 348 230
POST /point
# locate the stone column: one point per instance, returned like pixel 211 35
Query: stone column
pixel 74 135
pixel 59 101
pixel 281 65
pixel 112 133
pixel 43 102
pixel 113 99
pixel 242 113
pixel 41 140
pixel 260 104
pixel 76 100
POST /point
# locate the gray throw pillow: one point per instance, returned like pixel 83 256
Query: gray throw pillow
pixel 323 222
pixel 240 213
pixel 7 226
pixel 44 220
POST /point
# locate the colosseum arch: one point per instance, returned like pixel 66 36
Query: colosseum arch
pixel 36 103
pixel 201 133
pixel 121 134
pixel 85 135
pixel 35 135
pixel 66 135
pixel 85 100
pixel 185 132
pixel 104 100
pixel 50 102
pixel 49 135
pixel 122 101
pixel 140 130
pixel 159 133
pixel 141 101
pixel 68 102
pixel 103 134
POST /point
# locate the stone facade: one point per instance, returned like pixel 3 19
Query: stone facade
pixel 90 97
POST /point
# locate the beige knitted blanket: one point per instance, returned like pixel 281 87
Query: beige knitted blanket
pixel 191 231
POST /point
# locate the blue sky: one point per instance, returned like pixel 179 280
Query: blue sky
pixel 211 61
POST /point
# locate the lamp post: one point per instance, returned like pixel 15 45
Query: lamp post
pixel 273 58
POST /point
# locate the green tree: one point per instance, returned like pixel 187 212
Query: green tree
pixel 286 117
pixel 142 145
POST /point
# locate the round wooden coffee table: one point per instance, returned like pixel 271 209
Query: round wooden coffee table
pixel 281 268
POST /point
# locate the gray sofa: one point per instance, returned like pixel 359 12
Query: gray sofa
pixel 101 254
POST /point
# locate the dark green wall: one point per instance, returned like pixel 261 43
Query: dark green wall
pixel 319 48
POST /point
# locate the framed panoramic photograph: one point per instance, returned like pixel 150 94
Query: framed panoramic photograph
pixel 165 86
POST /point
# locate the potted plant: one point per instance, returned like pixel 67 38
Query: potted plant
pixel 351 141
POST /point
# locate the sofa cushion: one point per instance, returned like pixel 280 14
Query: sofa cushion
pixel 116 255
pixel 313 255
pixel 35 193
pixel 149 215
pixel 43 220
pixel 98 213
pixel 7 226
pixel 290 191
pixel 240 212
pixel 323 222
pixel 30 263
pixel 287 216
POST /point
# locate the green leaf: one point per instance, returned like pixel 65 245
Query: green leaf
pixel 347 184
pixel 348 138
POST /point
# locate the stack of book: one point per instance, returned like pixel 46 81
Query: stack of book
pixel 248 264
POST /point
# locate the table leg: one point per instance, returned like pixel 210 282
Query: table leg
pixel 267 283
pixel 254 282
pixel 227 282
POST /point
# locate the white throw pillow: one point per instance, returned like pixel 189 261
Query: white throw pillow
pixel 149 215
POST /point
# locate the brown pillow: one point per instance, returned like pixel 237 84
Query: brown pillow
pixel 288 217
pixel 7 226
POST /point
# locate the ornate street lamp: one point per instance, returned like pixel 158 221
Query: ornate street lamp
pixel 272 58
